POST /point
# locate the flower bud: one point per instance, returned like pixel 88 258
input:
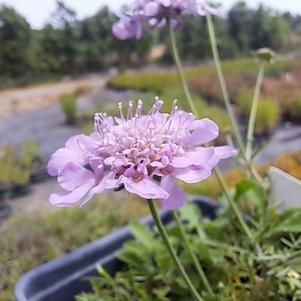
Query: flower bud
pixel 266 55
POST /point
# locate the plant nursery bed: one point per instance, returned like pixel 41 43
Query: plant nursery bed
pixel 64 278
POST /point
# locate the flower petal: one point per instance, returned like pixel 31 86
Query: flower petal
pixel 147 188
pixel 191 175
pixel 165 3
pixel 62 157
pixel 204 131
pixel 151 9
pixel 176 197
pixel 106 183
pixel 127 28
pixel 73 175
pixel 225 152
pixel 67 199
pixel 199 157
pixel 82 144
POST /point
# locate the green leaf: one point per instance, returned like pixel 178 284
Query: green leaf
pixel 142 233
pixel 242 188
pixel 287 222
pixel 102 272
pixel 253 193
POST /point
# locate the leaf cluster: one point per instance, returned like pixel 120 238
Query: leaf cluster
pixel 236 269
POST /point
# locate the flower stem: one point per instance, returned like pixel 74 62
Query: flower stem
pixel 177 60
pixel 178 63
pixel 163 234
pixel 286 259
pixel 252 120
pixel 222 82
pixel 226 96
pixel 195 260
pixel 233 205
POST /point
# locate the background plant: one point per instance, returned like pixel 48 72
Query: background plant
pixel 68 104
pixel 67 44
pixel 17 168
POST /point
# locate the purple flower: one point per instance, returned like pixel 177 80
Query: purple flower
pixel 156 13
pixel 127 28
pixel 144 154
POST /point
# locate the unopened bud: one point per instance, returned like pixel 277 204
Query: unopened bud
pixel 265 55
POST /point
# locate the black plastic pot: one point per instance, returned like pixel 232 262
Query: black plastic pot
pixel 5 211
pixel 66 277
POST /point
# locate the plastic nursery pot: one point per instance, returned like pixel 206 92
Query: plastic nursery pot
pixel 5 211
pixel 14 191
pixel 64 278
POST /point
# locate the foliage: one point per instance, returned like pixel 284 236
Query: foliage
pixel 244 102
pixel 16 169
pixel 69 106
pixel 234 269
pixel 67 44
pixel 295 109
pixel 157 82
pixel 16 35
pixel 268 116
pixel 28 240
pixel 268 112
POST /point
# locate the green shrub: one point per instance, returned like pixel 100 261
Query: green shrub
pixel 244 102
pixel 159 81
pixel 268 116
pixel 268 111
pixel 294 109
pixel 16 168
pixel 30 153
pixel 28 240
pixel 69 106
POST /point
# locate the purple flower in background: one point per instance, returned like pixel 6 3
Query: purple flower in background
pixel 143 154
pixel 156 13
pixel 127 28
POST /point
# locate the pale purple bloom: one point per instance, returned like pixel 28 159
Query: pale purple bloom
pixel 144 154
pixel 156 13
pixel 127 28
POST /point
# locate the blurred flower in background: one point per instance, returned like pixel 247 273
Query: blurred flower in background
pixel 156 14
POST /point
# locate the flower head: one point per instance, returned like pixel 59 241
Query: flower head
pixel 265 55
pixel 141 153
pixel 156 13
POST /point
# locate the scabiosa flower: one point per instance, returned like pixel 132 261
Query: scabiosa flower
pixel 143 154
pixel 127 28
pixel 156 13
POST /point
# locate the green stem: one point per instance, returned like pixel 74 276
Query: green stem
pixel 222 82
pixel 163 234
pixel 226 96
pixel 252 119
pixel 195 260
pixel 194 111
pixel 286 259
pixel 177 59
pixel 237 212
pixel 233 205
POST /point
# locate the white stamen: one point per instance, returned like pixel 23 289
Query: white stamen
pixel 139 108
pixel 130 111
pixel 121 111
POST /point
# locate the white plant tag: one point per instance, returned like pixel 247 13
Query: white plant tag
pixel 285 189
